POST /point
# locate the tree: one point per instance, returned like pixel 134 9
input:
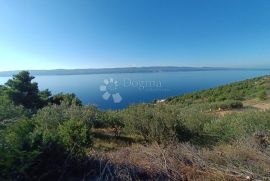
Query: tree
pixel 66 98
pixel 22 91
pixel 44 97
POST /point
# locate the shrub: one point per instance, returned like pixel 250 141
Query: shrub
pixel 75 136
pixel 183 133
pixel 114 121
pixel 69 99
pixel 227 105
pixel 223 129
pixel 190 124
pixel 53 115
pixel 17 149
pixel 10 112
pixel 262 95
pixel 152 122
pixel 45 142
pixel 238 125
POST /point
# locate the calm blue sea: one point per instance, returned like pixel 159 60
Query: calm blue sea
pixel 117 91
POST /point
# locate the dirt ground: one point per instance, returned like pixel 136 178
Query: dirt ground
pixel 262 105
pixel 250 104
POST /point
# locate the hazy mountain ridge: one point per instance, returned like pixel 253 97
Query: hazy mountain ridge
pixel 117 70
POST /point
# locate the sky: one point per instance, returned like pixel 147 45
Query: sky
pixel 53 34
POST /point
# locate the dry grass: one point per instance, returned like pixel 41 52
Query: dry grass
pixel 262 105
pixel 243 157
pixel 249 104
pixel 242 160
pixel 223 113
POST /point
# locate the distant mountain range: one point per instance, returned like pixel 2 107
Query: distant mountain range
pixel 120 70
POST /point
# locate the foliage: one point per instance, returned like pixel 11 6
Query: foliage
pixel 236 126
pixel 236 91
pixel 35 145
pixel 65 98
pixel 145 121
pixel 9 112
pixel 44 97
pixel 226 105
pixel 17 149
pixel 113 120
pixel 262 95
pixel 53 115
pixel 75 136
pixel 22 91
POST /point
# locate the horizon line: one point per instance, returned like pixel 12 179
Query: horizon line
pixel 214 67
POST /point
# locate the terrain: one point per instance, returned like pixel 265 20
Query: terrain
pixel 221 133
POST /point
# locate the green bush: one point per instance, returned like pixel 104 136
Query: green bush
pixel 262 95
pixel 17 149
pixel 113 120
pixel 75 136
pixel 227 105
pixel 45 142
pixel 152 122
pixel 165 122
pixel 53 115
pixel 10 112
pixel 238 125
pixel 69 99
pixel 223 129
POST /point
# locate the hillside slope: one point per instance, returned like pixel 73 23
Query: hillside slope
pixel 252 93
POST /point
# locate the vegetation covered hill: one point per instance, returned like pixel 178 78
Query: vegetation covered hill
pixel 243 90
pixel 45 137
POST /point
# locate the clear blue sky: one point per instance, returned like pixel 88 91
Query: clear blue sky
pixel 48 34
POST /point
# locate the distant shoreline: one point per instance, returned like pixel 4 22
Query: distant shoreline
pixel 59 72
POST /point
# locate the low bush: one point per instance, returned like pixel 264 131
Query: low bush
pixel 53 115
pixel 69 99
pixel 17 149
pixel 75 136
pixel 10 112
pixel 226 105
pixel 153 122
pixel 114 121
pixel 49 141
pixel 262 95
pixel 235 126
